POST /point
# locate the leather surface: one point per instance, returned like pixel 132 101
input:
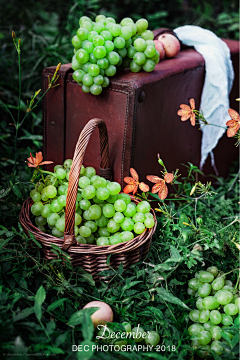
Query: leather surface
pixel 140 111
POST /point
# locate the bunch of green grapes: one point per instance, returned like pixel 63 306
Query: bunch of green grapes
pixel 218 306
pixel 104 216
pixel 101 46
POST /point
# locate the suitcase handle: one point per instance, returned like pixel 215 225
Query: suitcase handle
pixel 105 171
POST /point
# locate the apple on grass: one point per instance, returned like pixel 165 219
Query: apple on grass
pixel 102 315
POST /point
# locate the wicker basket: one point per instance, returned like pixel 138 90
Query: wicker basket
pixel 92 258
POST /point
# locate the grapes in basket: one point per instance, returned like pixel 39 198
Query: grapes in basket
pixel 104 216
pixel 102 46
pixel 218 308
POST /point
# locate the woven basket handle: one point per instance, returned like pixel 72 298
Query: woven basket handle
pixel 105 171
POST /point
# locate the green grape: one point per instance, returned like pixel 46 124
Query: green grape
pixel 108 26
pixel 137 333
pixel 206 277
pixel 52 219
pixel 106 35
pixel 84 204
pixel 115 30
pixel 92 59
pixel 139 228
pixel 140 44
pixel 217 347
pixel 204 316
pixel 149 223
pixel 228 282
pixel 126 32
pixel 108 210
pixel 88 46
pixel 60 224
pixel 51 191
pixel 103 231
pixel 208 325
pixel 210 303
pixel 87 80
pixel 111 70
pixel 109 46
pixel 120 205
pixel 76 65
pixel 228 288
pixel 81 240
pixel 102 193
pixel 97 201
pixel 147 35
pixel 86 215
pixel 100 17
pixel 131 51
pixel 96 89
pixel 44 196
pixel 82 56
pixel 229 309
pixel 103 63
pixel 102 221
pixel 57 233
pixel 68 173
pixel 213 270
pixel 150 42
pixel 224 297
pixel 39 186
pixel 83 19
pixel 194 284
pixel 125 197
pixel 142 25
pixel 150 51
pixel 36 208
pixel 91 35
pixel 126 236
pixel 99 182
pixel 46 210
pixel 40 220
pixel 105 82
pixel 139 58
pixel 98 40
pixel 115 239
pixel 103 241
pixel 194 315
pixel 41 228
pixel 62 200
pixel 204 290
pixel 90 239
pixel 237 303
pixel 134 67
pixel 99 52
pixel 79 211
pixel 112 226
pixel 36 196
pixel 204 337
pixel 149 215
pixel 152 339
pixel 61 174
pixel 83 182
pixel 143 207
pixel 227 320
pixel 195 329
pixel 122 52
pixel 67 163
pixel 113 57
pixel 119 42
pixel 85 89
pixel 90 172
pixel 139 217
pixel 156 57
pixel 114 188
pixel 79 196
pixel 84 231
pixel 92 225
pixel 89 192
pixel 98 27
pixel 215 317
pixel 76 42
pixel 218 283
pixel 130 210
pixel 118 217
pixel 102 72
pixel 128 224
pixel 87 25
pixel 95 212
pixel 133 28
pixel 93 178
pixel 112 199
pixel 55 206
pixel 149 65
pixel 78 219
pixel 126 21
pixel 191 292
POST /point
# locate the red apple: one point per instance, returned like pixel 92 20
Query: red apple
pixel 159 47
pixel 102 315
pixel 171 45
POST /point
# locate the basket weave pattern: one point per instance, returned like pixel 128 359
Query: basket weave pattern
pixel 92 258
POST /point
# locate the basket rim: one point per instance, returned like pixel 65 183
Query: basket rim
pixel 48 240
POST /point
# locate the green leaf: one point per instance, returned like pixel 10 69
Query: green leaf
pixel 77 317
pixel 55 350
pixel 87 327
pixel 16 191
pixel 50 327
pixel 87 350
pixel 2 243
pixel 85 276
pixel 56 304
pixel 23 283
pixel 235 340
pixel 39 299
pixel 167 296
pixel 61 338
pixel 23 314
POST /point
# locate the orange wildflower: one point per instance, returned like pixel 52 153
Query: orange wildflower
pixel 133 183
pixel 234 123
pixel 36 161
pixel 160 186
pixel 187 112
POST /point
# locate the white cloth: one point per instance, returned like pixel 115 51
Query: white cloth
pixel 217 85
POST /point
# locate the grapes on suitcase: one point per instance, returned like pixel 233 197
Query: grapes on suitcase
pixel 103 216
pixel 217 310
pixel 102 46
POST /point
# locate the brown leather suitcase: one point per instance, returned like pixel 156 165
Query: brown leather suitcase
pixel 140 110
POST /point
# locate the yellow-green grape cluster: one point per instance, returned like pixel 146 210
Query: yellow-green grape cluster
pixel 104 216
pixel 102 46
pixel 218 307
